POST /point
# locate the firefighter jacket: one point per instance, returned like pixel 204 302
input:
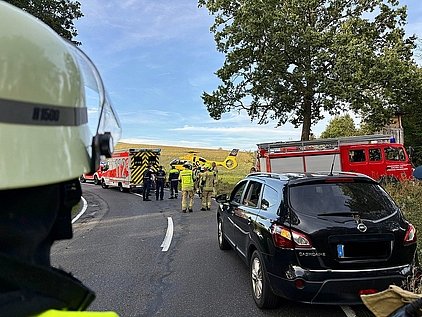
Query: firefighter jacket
pixel 160 176
pixel 148 175
pixel 35 290
pixel 174 174
pixel 186 179
pixel 207 181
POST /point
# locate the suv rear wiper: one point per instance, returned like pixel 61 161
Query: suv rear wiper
pixel 351 216
pixel 341 214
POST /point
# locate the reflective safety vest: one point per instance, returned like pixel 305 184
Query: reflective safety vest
pixel 186 178
pixel 63 313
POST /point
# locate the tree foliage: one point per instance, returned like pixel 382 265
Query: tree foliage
pixel 340 126
pixel 58 14
pixel 294 60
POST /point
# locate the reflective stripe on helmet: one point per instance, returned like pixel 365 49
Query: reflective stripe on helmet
pixel 18 112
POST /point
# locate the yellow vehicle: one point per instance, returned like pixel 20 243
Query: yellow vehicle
pixel 195 160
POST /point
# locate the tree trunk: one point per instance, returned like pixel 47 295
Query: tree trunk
pixel 306 127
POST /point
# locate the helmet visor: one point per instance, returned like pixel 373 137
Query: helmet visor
pixel 102 118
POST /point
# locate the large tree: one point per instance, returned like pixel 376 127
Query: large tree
pixel 58 14
pixel 294 60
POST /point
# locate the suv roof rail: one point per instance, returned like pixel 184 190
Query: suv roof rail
pixel 269 175
pixel 341 173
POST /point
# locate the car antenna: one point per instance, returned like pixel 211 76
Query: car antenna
pixel 332 166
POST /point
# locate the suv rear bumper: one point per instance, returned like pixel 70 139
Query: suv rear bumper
pixel 337 287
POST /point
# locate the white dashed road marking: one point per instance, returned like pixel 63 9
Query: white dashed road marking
pixel 169 235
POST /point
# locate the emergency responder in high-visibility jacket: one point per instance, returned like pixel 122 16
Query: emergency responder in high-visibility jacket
pixel 187 184
pixel 207 179
pixel 46 145
pixel 174 182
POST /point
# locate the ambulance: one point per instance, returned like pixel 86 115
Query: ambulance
pixel 125 169
pixel 96 177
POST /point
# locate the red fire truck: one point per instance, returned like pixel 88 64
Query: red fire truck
pixel 377 156
pixel 125 168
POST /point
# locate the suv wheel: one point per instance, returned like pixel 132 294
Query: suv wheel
pixel 261 290
pixel 222 242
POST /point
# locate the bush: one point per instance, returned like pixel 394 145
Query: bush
pixel 407 195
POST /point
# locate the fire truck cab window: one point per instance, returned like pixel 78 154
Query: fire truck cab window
pixel 374 154
pixel 357 156
pixel 394 154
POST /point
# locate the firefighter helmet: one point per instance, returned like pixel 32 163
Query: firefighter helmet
pixel 47 86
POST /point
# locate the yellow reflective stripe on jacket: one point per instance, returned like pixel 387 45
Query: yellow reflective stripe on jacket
pixel 63 313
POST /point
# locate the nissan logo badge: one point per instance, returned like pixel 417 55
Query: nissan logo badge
pixel 362 227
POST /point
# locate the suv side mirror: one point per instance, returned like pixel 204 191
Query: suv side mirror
pixel 222 198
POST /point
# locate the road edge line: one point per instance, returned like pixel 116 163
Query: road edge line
pixel 85 206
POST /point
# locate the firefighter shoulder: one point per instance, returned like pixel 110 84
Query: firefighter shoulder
pixel 46 146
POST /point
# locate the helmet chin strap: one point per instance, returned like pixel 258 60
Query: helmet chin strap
pixel 102 145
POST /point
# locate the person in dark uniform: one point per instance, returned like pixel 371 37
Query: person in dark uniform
pixel 160 180
pixel 148 175
pixel 174 182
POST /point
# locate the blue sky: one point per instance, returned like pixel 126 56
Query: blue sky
pixel 157 57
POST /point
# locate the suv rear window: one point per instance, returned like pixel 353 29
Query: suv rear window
pixel 370 201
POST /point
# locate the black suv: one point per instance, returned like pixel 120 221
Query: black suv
pixel 316 238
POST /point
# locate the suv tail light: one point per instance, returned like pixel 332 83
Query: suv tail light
pixel 286 238
pixel 410 236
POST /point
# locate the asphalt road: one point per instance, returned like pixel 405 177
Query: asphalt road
pixel 116 251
